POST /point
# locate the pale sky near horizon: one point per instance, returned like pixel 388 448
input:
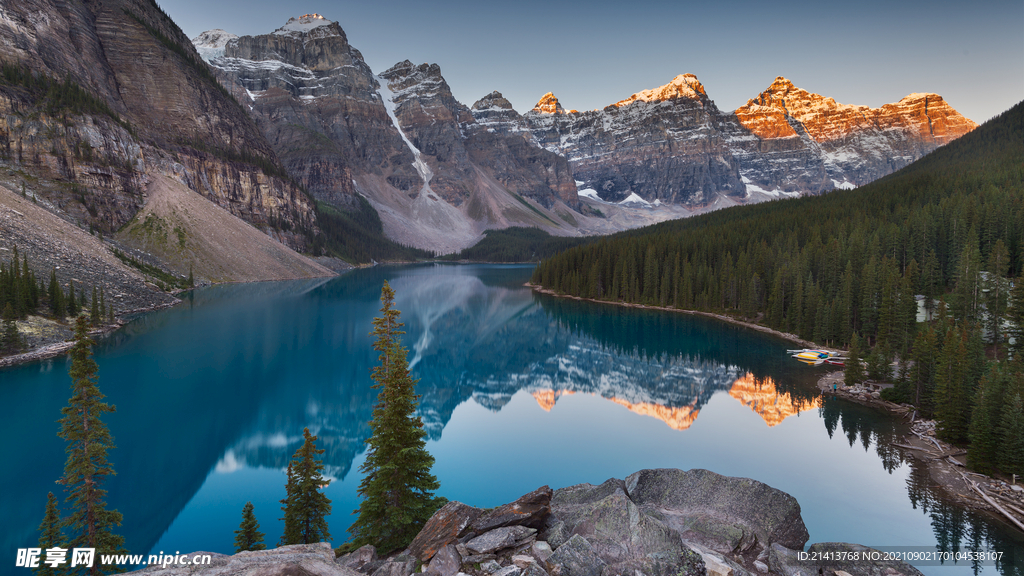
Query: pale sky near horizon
pixel 591 54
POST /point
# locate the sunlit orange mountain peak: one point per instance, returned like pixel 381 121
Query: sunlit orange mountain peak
pixel 546 398
pixel 682 86
pixel 763 398
pixel 677 418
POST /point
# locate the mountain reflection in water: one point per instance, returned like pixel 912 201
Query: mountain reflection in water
pixel 517 390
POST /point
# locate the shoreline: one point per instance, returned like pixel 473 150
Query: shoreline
pixel 943 466
pixel 55 349
pixel 771 331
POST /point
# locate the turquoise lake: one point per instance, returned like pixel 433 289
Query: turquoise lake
pixel 518 390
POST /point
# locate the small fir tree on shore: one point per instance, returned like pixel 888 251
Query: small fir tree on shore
pixel 306 508
pixel 248 535
pixel 88 438
pixel 50 534
pixel 854 369
pixel 397 486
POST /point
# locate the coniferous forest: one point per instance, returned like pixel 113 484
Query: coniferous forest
pixel 850 267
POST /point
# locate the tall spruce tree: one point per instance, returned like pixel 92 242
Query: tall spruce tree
pixel 10 340
pixel 91 524
pixel 1016 317
pixel 397 486
pixel 306 508
pixel 854 368
pixel 248 535
pixel 50 534
pixel 984 431
pixel 1011 451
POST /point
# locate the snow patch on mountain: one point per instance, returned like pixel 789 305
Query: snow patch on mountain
pixel 210 44
pixel 388 97
pixel 633 198
pixel 302 25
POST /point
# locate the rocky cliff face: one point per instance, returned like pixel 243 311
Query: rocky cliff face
pixel 791 140
pixel 673 145
pixel 664 144
pixel 400 139
pixel 151 107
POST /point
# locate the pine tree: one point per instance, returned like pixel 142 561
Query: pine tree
pixel 854 369
pixel 10 341
pixel 248 535
pixel 70 302
pixel 50 534
pixel 1016 317
pixel 94 308
pixel 305 507
pixel 1011 451
pixel 397 488
pixel 88 439
pixel 57 305
pixel 984 432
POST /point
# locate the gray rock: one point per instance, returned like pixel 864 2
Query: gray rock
pixel 577 558
pixel 724 513
pixel 445 527
pixel 761 566
pixel 523 560
pixel 617 530
pixel 541 551
pixel 462 550
pixel 477 558
pixel 359 558
pixel 499 538
pixel 446 562
pixel 304 559
pixel 530 510
pixel 556 534
pixel 508 571
pixel 782 560
pixel 490 566
pixel 401 565
pixel 534 569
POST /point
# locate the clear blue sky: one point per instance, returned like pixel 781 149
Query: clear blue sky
pixel 591 54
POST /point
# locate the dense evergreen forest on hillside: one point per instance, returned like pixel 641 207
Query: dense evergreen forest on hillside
pixel 848 266
pixel 518 244
pixel 357 236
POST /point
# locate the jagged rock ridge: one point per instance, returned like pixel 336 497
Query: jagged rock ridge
pixel 400 139
pixel 672 144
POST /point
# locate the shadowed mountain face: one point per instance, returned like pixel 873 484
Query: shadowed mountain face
pixel 400 139
pixel 150 106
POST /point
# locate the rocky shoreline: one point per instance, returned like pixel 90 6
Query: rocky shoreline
pixel 946 463
pixel 663 522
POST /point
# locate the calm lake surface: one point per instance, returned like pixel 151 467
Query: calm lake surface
pixel 518 390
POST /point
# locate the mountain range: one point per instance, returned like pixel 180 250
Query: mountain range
pixel 104 100
pixel 439 172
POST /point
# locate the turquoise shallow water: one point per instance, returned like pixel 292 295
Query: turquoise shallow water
pixel 518 390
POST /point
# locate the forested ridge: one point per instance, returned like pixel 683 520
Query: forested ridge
pixel 949 227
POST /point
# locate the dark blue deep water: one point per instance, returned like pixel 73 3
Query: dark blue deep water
pixel 518 390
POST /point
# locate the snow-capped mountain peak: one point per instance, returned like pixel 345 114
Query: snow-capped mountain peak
pixel 210 44
pixel 682 86
pixel 302 25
